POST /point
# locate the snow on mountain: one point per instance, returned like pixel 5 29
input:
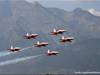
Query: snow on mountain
pixel 30 1
pixel 94 12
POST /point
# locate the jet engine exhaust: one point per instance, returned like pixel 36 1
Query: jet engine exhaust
pixel 2 54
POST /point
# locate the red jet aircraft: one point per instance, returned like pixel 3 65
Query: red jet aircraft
pixel 56 32
pixel 66 39
pixel 41 44
pixel 50 53
pixel 14 49
pixel 31 36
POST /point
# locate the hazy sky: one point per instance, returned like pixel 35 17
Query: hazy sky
pixel 71 4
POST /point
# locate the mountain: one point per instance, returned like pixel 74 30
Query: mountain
pixel 19 17
pixel 26 17
pixel 81 23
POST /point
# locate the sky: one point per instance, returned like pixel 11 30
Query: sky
pixel 70 4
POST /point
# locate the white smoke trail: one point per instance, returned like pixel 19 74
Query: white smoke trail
pixel 26 48
pixel 18 60
pixel 2 54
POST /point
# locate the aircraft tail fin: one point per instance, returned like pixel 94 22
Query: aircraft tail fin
pixel 11 47
pixel 54 30
pixel 48 51
pixel 38 42
pixel 63 37
pixel 27 34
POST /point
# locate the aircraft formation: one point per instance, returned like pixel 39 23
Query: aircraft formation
pixel 55 32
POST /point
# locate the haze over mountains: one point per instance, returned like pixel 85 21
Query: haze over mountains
pixel 19 17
